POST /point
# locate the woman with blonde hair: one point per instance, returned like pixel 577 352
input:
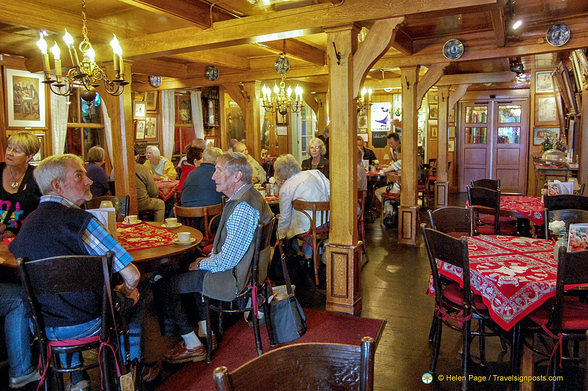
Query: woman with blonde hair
pixel 317 161
pixel 19 191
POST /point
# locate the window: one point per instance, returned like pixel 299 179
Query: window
pixel 84 128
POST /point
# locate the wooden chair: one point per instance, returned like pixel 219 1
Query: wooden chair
pixel 63 275
pixel 454 306
pixel 318 214
pixel 565 201
pixel 493 184
pixel 257 279
pixel 486 201
pixel 201 218
pixel 304 366
pixel 120 204
pixel 564 318
pixel 568 216
pixel 453 221
pixel 361 196
pixel 423 189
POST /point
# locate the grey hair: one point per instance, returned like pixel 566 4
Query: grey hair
pixel 235 161
pixel 211 154
pixel 52 168
pixel 317 142
pixel 286 166
pixel 95 154
pixel 154 151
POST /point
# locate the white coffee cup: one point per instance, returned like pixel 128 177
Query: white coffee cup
pixel 183 236
pixel 171 221
pixel 131 219
pixel 106 204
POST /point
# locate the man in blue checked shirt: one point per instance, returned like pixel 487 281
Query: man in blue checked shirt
pixel 222 275
pixel 60 227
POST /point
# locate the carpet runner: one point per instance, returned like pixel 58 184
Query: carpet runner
pixel 238 346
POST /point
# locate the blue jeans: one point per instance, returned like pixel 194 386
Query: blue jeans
pixel 93 327
pixel 16 330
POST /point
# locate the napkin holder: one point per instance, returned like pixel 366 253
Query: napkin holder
pixel 106 216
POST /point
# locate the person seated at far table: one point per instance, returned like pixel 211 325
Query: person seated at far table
pixel 159 166
pixel 60 227
pixel 198 143
pixel 361 174
pixel 368 154
pixel 199 188
pixel 317 161
pixel 393 185
pixel 224 272
pixel 95 171
pixel 310 185
pixel 193 160
pixel 147 191
pixel 259 174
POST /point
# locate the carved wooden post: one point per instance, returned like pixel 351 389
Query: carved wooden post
pixel 442 183
pixel 343 253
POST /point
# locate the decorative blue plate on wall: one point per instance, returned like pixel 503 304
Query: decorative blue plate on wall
pixel 558 34
pixel 453 49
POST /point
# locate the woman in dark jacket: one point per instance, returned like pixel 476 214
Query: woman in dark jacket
pixel 317 161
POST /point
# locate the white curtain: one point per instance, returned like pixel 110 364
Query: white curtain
pixel 197 120
pixel 59 108
pixel 168 122
pixel 107 130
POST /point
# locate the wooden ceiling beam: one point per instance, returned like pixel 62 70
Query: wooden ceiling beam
pixel 195 12
pixel 160 68
pixel 401 41
pixel 473 78
pixel 285 24
pixel 297 49
pixel 498 23
pixel 210 57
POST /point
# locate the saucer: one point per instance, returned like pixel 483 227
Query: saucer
pixel 131 224
pixel 164 225
pixel 177 241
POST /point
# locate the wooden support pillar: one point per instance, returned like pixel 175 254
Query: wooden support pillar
pixel 408 218
pixel 120 110
pixel 442 182
pixel 321 114
pixel 343 252
pixel 253 118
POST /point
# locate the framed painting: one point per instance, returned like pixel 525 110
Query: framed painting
pixel 40 155
pixel 362 123
pixel 151 128
pixel 451 131
pixel 209 142
pixel 25 97
pixel 433 112
pixel 433 131
pixel 545 110
pixel 140 108
pixel 543 82
pixel 151 100
pixel 140 129
pixel 451 146
pixel 282 119
pixel 540 134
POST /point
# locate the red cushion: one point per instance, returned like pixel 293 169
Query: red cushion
pixel 507 229
pixel 390 195
pixel 488 219
pixel 485 229
pixel 432 178
pixel 575 314
pixel 207 249
pixel 454 293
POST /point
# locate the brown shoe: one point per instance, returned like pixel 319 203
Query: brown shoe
pixel 180 354
pixel 150 371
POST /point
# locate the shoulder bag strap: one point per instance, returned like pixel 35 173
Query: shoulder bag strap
pixel 285 269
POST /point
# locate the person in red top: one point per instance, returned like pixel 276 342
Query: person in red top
pixel 193 160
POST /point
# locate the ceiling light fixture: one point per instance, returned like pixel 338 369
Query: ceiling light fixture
pixel 280 99
pixel 85 73
pixel 517 24
pixel 364 102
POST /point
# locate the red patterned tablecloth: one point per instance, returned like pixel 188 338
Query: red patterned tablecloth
pixel 143 235
pixel 514 275
pixel 166 188
pixel 530 207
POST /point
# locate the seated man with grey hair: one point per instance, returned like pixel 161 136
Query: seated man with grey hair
pixel 222 273
pixel 309 185
pixel 259 175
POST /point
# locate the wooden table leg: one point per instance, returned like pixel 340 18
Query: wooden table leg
pixel 527 363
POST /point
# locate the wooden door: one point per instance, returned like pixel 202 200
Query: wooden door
pixel 476 151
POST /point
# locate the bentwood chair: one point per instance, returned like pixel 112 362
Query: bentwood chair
pixel 565 317
pixel 361 196
pixel 255 292
pixel 120 204
pixel 565 201
pixel 568 216
pixel 304 366
pixel 64 276
pixel 453 221
pixel 318 214
pixel 493 184
pixel 488 219
pixel 203 218
pixel 455 306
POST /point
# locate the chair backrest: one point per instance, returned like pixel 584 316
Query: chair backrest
pixel 194 215
pixel 450 250
pixel 580 191
pixel 66 274
pixel 262 254
pixel 318 213
pixel 120 204
pixel 565 201
pixel 572 268
pixel 361 197
pixel 487 201
pixel 568 216
pixel 304 366
pixel 493 184
pixel 453 220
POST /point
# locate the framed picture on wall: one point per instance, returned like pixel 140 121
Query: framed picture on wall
pixel 140 108
pixel 451 131
pixel 25 98
pixel 41 154
pixel 540 134
pixel 209 142
pixel 543 82
pixel 151 128
pixel 362 123
pixel 151 100
pixel 451 145
pixel 433 112
pixel 282 119
pixel 433 131
pixel 140 129
pixel 545 110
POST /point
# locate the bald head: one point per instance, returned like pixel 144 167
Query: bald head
pixel 241 148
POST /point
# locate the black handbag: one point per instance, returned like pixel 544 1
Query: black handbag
pixel 287 318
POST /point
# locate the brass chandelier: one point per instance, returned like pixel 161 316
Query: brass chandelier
pixel 280 99
pixel 364 102
pixel 85 73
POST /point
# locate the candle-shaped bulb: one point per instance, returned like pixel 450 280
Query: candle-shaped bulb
pixel 363 92
pixel 91 54
pixel 68 39
pixel 117 51
pixel 276 89
pixel 57 58
pixel 370 92
pixel 56 52
pixel 42 44
pixel 289 91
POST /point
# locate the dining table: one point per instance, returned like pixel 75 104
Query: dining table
pixel 526 209
pixel 151 245
pixel 166 187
